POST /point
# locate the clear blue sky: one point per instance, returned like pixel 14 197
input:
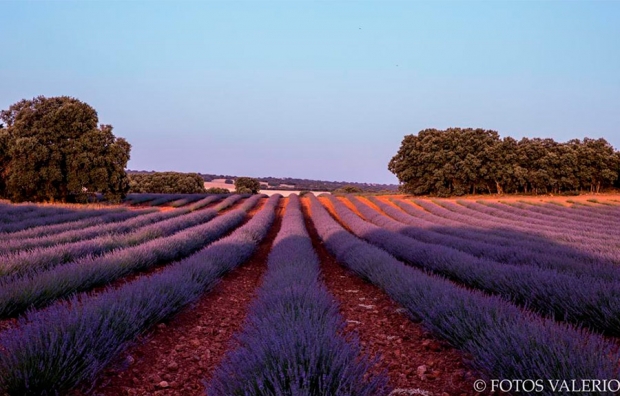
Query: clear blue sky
pixel 311 89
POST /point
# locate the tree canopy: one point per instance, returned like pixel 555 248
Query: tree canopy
pixel 349 189
pixel 166 183
pixel 51 149
pixel 468 161
pixel 247 185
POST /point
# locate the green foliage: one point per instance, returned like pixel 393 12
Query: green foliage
pixel 469 161
pixel 217 190
pixel 167 183
pixel 349 189
pixel 52 150
pixel 4 160
pixel 229 181
pixel 247 185
pixel 243 190
pixel 617 183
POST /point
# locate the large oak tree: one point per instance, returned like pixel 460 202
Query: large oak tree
pixel 52 149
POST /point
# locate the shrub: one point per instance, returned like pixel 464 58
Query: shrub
pixel 166 183
pixel 247 185
pixel 348 189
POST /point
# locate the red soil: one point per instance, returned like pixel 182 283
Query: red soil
pixel 9 323
pixel 366 201
pixel 413 358
pixel 177 356
pixel 407 200
pixel 386 200
pixel 347 203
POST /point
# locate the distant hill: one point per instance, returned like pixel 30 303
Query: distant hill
pixel 289 183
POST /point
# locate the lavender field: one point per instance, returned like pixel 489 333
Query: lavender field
pixel 178 294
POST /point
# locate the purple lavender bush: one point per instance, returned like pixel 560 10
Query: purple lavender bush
pixel 582 300
pixel 45 258
pixel 63 216
pixel 69 343
pixel 112 215
pixel 556 257
pixel 292 341
pixel 504 341
pixel 42 288
pixel 121 223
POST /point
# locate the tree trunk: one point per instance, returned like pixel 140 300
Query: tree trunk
pixel 499 188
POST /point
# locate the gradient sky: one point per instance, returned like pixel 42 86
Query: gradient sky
pixel 316 89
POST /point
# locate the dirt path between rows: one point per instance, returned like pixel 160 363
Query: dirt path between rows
pixel 178 356
pixel 415 360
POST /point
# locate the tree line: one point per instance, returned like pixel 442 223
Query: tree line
pixel 166 183
pixel 476 161
pixel 184 183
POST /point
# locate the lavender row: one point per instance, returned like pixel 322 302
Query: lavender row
pixel 455 218
pixel 166 199
pixel 159 199
pixel 206 201
pixel 508 229
pixel 550 256
pixel 41 288
pixel 609 207
pixel 69 343
pixel 488 328
pixel 50 229
pixel 135 199
pixel 591 215
pixel 87 228
pixel 10 209
pixel 24 211
pixel 583 300
pixel 502 228
pixel 10 216
pixel 114 226
pixel 598 209
pixel 292 341
pixel 55 219
pixel 587 215
pixel 448 222
pixel 189 199
pixel 45 258
pixel 511 215
pixel 548 218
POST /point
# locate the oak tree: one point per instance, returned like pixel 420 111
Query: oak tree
pixel 51 149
